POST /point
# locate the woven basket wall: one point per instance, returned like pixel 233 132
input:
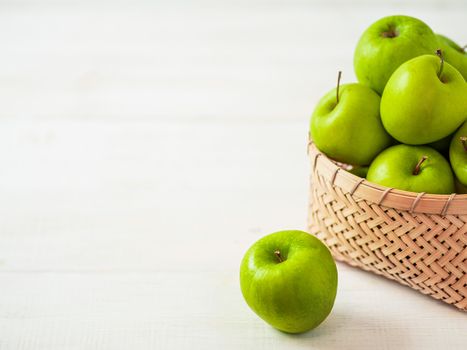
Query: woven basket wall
pixel 417 239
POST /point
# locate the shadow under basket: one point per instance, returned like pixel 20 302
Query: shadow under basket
pixel 417 239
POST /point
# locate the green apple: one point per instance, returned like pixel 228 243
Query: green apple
pixel 388 43
pixel 458 154
pixel 424 101
pixel 289 279
pixel 412 168
pixel 346 125
pixel 454 54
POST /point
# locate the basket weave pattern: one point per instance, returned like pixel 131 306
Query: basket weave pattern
pixel 418 240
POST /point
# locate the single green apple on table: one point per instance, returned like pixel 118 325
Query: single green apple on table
pixel 412 168
pixel 424 100
pixel 454 54
pixel 458 154
pixel 346 125
pixel 289 279
pixel 388 43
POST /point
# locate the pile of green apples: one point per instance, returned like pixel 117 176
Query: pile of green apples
pixel 403 125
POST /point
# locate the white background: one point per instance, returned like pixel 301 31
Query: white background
pixel 144 145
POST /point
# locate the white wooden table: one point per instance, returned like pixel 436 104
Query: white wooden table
pixel 145 145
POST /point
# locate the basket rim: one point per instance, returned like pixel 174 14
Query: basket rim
pixel 442 204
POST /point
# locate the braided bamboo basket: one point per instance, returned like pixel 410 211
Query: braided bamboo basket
pixel 417 239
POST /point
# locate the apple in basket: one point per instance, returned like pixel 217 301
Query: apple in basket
pixel 454 54
pixel 412 168
pixel 388 43
pixel 346 124
pixel 458 156
pixel 424 101
pixel 289 279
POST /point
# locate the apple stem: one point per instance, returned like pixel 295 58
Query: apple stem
pixel 439 53
pixel 417 167
pixel 464 142
pixel 278 255
pixel 338 83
